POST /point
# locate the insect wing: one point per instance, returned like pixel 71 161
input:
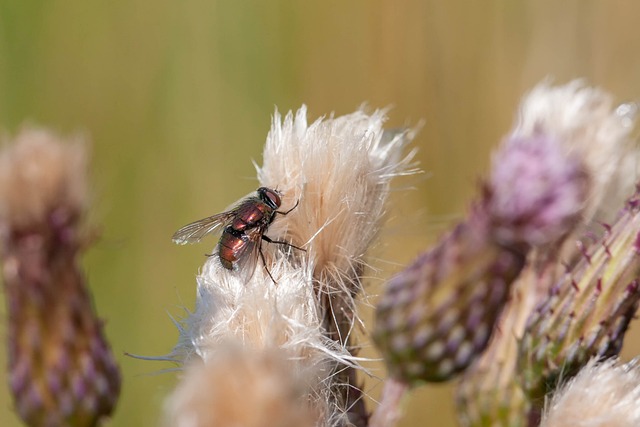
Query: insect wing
pixel 246 265
pixel 248 258
pixel 194 232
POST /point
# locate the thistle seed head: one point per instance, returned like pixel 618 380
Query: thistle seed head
pixel 240 387
pixel 338 171
pixel 603 394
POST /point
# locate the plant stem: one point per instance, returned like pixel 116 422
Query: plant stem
pixel 388 412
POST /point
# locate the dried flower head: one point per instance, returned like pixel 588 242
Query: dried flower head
pixel 238 386
pixel 603 394
pixel 60 367
pixel 338 171
pixel 39 174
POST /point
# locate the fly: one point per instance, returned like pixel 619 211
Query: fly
pixel 244 228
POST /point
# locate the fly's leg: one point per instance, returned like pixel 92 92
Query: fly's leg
pixel 264 263
pixel 280 242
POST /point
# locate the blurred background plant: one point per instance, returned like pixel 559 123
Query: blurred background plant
pixel 177 98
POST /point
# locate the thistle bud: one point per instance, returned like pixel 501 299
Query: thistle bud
pixel 61 370
pixel 488 393
pixel 587 312
pixel 536 191
pixel 584 124
pixel 437 315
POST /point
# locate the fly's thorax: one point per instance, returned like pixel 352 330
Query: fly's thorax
pixel 251 214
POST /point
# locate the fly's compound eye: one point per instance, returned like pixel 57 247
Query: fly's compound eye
pixel 270 197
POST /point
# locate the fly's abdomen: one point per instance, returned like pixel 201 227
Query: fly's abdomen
pixel 232 246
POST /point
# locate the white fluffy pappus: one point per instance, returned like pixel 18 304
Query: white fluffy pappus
pixel 41 172
pixel 338 171
pixel 603 394
pixel 586 122
pixel 240 388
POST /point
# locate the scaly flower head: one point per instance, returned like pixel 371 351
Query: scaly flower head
pixel 436 317
pixel 61 369
pixel 584 123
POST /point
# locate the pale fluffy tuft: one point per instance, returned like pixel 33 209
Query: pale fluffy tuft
pixel 260 313
pixel 339 169
pixel 39 172
pixel 259 316
pixel 603 394
pixel 240 387
pixel 584 120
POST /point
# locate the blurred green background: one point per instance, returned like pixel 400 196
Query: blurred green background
pixel 176 97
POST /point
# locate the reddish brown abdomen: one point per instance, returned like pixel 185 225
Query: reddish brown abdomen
pixel 232 247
